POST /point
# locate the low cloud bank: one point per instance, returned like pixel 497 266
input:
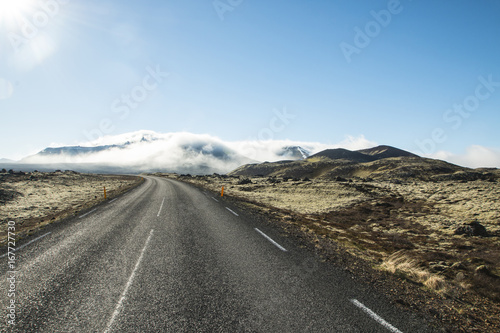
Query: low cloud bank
pixel 202 153
pixel 184 152
pixel 475 156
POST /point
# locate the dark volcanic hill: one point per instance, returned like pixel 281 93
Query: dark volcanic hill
pixel 344 154
pixel 380 152
pixel 382 162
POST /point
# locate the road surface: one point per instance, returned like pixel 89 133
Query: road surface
pixel 168 257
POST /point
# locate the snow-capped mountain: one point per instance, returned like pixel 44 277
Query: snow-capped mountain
pixel 294 153
pixel 148 151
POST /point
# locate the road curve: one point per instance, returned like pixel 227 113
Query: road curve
pixel 168 257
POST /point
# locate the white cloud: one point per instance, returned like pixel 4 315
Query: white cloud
pixel 475 156
pixel 122 138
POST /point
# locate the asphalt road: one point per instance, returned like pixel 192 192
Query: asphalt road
pixel 168 257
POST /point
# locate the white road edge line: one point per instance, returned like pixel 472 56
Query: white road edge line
pixel 112 200
pixel 375 316
pixel 215 199
pixel 127 286
pixel 87 213
pixel 229 209
pixel 271 240
pixel 24 245
pixel 161 206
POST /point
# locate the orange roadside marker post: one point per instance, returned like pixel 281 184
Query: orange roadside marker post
pixel 222 192
pixel 104 192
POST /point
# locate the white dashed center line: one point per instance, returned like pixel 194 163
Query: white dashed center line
pixel 215 199
pixel 271 240
pixel 127 286
pixel 375 316
pixel 161 206
pixel 229 209
pixel 87 213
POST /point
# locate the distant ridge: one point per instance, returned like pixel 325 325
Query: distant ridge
pixel 76 150
pixel 386 152
pixel 344 154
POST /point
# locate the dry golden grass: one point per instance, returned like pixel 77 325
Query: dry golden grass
pixel 399 263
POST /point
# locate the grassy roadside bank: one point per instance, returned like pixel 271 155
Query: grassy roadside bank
pixel 36 199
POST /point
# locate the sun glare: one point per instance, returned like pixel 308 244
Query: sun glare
pixel 11 9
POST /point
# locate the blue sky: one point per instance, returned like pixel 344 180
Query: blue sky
pixel 71 70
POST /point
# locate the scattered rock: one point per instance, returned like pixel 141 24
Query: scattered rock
pixel 472 229
pixel 244 181
pixel 383 204
pixel 483 269
pixel 246 189
pixel 7 195
pixel 402 302
pixel 273 180
pixel 439 268
pixel 458 265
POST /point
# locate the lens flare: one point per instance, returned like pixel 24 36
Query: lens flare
pixel 14 7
